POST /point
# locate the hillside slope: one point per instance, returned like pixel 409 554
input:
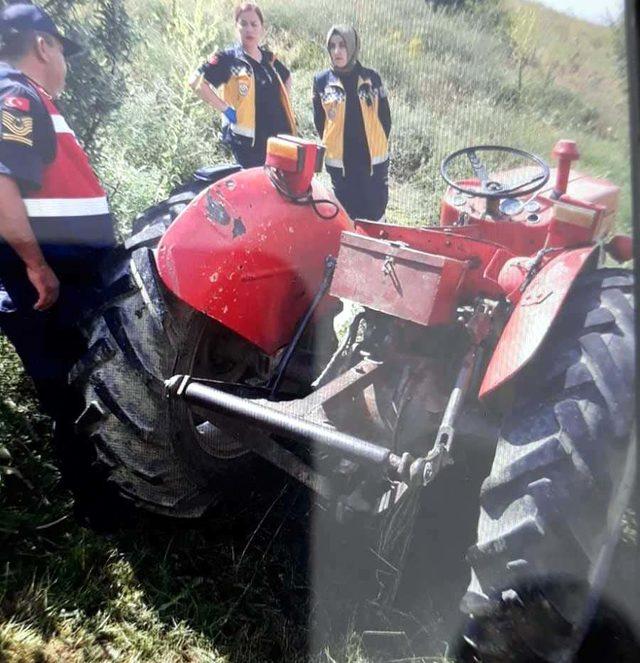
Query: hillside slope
pixel 451 78
pixel 582 58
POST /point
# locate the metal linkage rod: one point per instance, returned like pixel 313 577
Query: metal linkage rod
pixel 282 423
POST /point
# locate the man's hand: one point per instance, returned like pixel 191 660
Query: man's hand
pixel 44 280
pixel 16 230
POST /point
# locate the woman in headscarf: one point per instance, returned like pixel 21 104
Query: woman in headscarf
pixel 352 116
pixel 255 85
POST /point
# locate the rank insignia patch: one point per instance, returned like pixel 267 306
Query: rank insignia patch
pixel 17 129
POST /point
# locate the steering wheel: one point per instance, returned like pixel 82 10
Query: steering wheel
pixel 491 187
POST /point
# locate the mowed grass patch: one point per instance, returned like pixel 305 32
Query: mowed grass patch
pixel 161 593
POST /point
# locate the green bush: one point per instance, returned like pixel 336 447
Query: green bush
pixel 162 132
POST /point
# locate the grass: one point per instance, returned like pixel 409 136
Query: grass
pixel 580 57
pixel 238 588
pixel 451 79
pixel 235 589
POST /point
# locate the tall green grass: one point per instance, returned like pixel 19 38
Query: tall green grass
pixel 451 78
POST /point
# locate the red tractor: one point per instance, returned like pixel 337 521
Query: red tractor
pixel 214 350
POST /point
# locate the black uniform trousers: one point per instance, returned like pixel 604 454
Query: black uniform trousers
pixel 248 156
pixel 363 195
pixel 47 342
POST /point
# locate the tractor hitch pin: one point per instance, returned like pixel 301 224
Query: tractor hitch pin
pixel 479 327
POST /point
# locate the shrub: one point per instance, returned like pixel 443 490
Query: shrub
pixel 96 84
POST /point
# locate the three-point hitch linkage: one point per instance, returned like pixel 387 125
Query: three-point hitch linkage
pixel 260 421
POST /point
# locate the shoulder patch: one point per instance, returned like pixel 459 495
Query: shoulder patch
pixel 16 129
pixel 19 103
pixel 219 57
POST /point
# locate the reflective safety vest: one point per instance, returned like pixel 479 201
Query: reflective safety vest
pixel 334 102
pixel 71 206
pixel 239 92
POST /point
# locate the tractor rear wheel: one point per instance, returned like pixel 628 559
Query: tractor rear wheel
pixel 123 443
pixel 561 478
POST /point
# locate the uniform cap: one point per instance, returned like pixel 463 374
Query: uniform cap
pixel 22 17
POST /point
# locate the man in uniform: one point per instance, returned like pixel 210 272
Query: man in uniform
pixel 55 223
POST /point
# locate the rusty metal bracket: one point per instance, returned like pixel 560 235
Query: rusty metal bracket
pixel 360 375
pixel 303 421
pixel 288 462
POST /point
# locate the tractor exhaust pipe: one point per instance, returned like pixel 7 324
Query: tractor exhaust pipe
pixel 565 151
pixel 281 423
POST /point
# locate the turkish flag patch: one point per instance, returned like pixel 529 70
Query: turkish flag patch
pixel 18 103
pixel 213 59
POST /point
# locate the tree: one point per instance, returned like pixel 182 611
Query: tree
pixel 523 32
pixel 619 46
pixel 95 82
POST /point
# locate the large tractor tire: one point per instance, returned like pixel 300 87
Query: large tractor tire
pixel 562 476
pixel 163 213
pixel 124 443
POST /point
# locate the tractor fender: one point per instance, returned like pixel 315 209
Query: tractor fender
pixel 251 259
pixel 532 318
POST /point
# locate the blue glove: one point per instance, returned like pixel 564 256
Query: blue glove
pixel 230 114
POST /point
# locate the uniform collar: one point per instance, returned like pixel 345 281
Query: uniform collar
pixel 334 79
pixel 9 71
pixel 239 53
pixel 39 87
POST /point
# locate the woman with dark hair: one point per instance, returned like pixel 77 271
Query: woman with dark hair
pixel 254 90
pixel 351 113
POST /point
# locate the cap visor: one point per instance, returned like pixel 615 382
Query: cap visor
pixel 70 48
